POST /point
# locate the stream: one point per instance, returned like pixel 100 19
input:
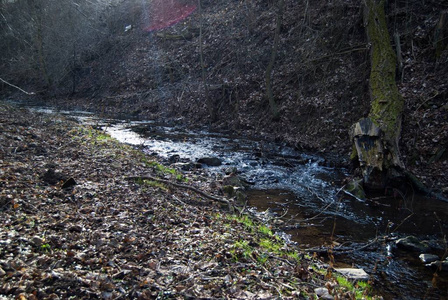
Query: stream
pixel 306 190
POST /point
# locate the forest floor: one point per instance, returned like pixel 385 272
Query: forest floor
pixel 74 225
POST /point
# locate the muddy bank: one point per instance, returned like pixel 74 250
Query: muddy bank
pixel 74 225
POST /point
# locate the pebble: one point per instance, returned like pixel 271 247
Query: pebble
pixel 37 241
pixel 352 273
pixel 2 272
pixel 323 293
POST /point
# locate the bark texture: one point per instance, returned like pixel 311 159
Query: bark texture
pixel 376 138
pixel 441 33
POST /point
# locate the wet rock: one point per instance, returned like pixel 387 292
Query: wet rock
pixel 440 265
pixel 323 293
pixel 241 197
pixel 428 258
pixel 412 243
pixel 355 188
pixel 174 158
pixel 231 170
pixel 210 161
pixel 234 192
pixel 353 273
pixel 233 180
pixel 189 166
pixel 228 191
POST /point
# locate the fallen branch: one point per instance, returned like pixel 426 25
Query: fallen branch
pixel 14 86
pixel 182 186
pixel 342 250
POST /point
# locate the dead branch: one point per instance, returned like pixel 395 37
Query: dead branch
pixel 16 87
pixel 344 250
pixel 182 186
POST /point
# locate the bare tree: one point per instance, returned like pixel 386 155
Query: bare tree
pixel 268 75
pixel 45 39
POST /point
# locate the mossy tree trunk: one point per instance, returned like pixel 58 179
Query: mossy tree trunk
pixel 376 138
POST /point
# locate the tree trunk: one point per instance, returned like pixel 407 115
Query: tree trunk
pixel 441 33
pixel 40 47
pixel 208 99
pixel 375 138
pixel 268 74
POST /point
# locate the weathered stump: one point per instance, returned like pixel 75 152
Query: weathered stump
pixel 367 139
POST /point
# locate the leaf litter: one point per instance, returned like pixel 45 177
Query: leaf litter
pixel 105 236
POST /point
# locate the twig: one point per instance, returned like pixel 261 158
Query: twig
pixel 182 186
pixel 426 100
pixel 343 251
pixel 339 53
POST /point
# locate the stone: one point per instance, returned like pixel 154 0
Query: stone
pixel 37 241
pixel 174 158
pixel 68 183
pixel 231 170
pixel 228 191
pixel 428 258
pixel 210 161
pixel 323 293
pixel 412 243
pixel 188 166
pixel 241 197
pixel 2 272
pixel 354 188
pixel 441 265
pixel 353 273
pixel 233 180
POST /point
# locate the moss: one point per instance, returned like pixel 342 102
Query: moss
pixel 228 190
pixel 354 154
pixel 387 103
pixel 355 188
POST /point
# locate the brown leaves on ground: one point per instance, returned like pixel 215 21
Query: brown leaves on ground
pixel 108 237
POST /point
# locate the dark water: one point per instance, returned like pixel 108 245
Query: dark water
pixel 316 214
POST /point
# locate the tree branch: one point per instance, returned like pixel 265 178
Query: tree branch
pixel 182 186
pixel 14 86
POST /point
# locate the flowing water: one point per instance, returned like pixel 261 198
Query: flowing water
pixel 317 215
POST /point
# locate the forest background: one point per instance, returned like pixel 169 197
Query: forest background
pixel 290 71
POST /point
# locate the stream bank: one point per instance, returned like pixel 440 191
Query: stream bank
pixel 304 189
pixel 104 236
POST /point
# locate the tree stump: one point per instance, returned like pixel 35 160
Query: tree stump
pixel 376 138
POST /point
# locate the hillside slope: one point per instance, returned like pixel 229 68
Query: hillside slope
pixel 320 76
